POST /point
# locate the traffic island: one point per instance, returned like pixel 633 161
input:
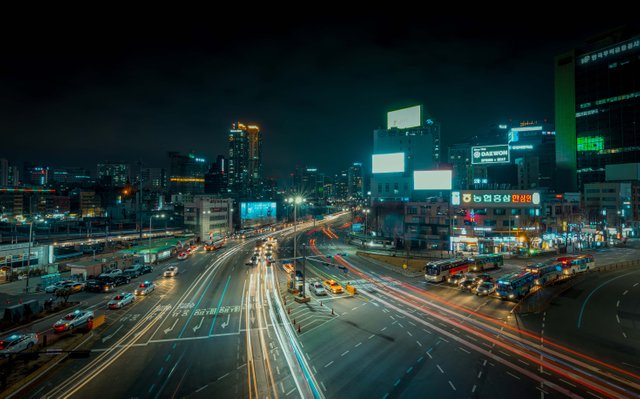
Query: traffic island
pixel 301 299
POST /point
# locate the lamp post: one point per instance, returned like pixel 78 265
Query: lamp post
pixel 297 200
pixel 26 290
pixel 366 219
pixel 149 242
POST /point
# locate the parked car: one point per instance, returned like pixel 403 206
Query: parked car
pixel 171 271
pixel 100 285
pixel 317 289
pixel 55 287
pixel 73 320
pixel 132 271
pixel 145 288
pixel 74 286
pixel 18 342
pixel 121 300
pixel 146 269
pixel 117 280
pixel 111 273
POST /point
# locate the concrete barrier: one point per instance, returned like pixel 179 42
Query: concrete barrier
pixel 351 289
pixel 98 321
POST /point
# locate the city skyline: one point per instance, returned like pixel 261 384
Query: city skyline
pixel 146 93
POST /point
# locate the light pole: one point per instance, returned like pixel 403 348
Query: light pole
pixel 366 219
pixel 26 290
pixel 149 242
pixel 297 200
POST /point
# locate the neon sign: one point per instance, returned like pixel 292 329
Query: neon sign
pixel 496 198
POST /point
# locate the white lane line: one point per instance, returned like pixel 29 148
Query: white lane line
pixel 443 339
pixel 395 384
pixel 473 389
pixel 624 334
pixel 413 324
pixel 618 304
pixel 277 370
pixel 636 284
pixel 409 332
pixel 354 308
pixel 222 376
pixel 523 362
pixel 452 387
pixel 328 364
pixel 594 395
pixel 419 344
pixel 513 375
pixel 440 368
pixel 464 350
pixel 625 292
pixel 383 328
pixel 410 369
pixel 314 369
pixel 358 344
pixel 471 338
pixel 391 317
pixel 307 354
pixel 618 318
pixel 323 387
pixel 371 336
pixel 479 373
pixel 567 382
pixel 202 388
pixel 400 325
pixel 291 391
pixel 427 331
pixel 429 354
pixel 344 353
pixel 485 362
pixel 281 386
pixel 504 353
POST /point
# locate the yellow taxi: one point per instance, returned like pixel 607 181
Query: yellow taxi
pixel 333 286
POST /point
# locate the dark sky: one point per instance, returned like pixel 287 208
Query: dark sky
pixel 72 94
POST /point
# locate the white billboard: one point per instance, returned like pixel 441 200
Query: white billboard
pixel 405 118
pixel 432 180
pixel 388 163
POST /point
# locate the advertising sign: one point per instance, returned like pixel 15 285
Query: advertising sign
pixel 405 118
pixel 388 163
pixel 261 212
pixel 432 180
pixel 496 198
pixel 490 154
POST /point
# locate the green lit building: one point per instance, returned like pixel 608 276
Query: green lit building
pixel 597 103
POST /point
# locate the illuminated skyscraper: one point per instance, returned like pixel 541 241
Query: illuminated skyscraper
pixel 597 97
pixel 186 173
pixel 115 174
pixel 245 160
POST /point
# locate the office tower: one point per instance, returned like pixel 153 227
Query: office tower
pixel 355 181
pixel 153 179
pixel 186 173
pixel 597 94
pixel 113 174
pixel 215 180
pixel 4 172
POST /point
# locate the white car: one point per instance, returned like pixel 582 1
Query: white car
pixel 119 301
pixel 182 256
pixel 73 320
pixel 15 343
pixel 171 271
pixel 112 273
pixel 55 287
pixel 145 288
pixel 317 289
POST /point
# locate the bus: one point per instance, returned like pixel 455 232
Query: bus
pixel 545 272
pixel 485 262
pixel 515 285
pixel 577 264
pixel 214 243
pixel 439 270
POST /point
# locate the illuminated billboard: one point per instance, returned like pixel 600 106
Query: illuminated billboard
pixel 432 180
pixel 257 212
pixel 490 154
pixel 496 198
pixel 405 118
pixel 595 143
pixel 388 163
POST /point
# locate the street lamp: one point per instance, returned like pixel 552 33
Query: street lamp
pixel 297 200
pixel 366 219
pixel 149 242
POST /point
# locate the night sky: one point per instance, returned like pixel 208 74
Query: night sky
pixel 73 94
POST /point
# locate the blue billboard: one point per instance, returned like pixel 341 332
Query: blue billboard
pixel 257 212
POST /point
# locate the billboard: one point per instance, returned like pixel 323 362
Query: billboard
pixel 388 163
pixel 490 154
pixel 496 198
pixel 257 212
pixel 405 118
pixel 432 180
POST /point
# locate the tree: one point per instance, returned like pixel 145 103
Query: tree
pixel 64 293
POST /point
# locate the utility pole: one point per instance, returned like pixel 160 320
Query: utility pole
pixel 26 290
pixel 140 196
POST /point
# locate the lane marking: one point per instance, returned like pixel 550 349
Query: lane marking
pixel 419 344
pixel 344 353
pixel 222 376
pixel 440 368
pixel 328 364
pixel 567 382
pixel 452 387
pixel 410 369
pixel 513 375
pixel 584 304
pixel 409 332
pixel 464 350
pixel 625 292
pixel 202 388
pixel 358 344
pixel 473 389
pixel 397 382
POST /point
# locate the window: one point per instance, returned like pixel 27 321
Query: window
pixel 386 187
pixel 505 223
pixel 499 211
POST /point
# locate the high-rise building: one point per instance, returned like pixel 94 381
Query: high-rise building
pixel 532 148
pixel 341 185
pixel 71 176
pixel 154 179
pixel 36 175
pixel 215 181
pixel 114 174
pixel 597 97
pixel 186 173
pixel 14 176
pixel 245 161
pixel 4 172
pixel 355 181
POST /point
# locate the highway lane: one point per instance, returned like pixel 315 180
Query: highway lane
pixel 396 298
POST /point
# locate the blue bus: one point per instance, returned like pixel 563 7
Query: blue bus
pixel 545 272
pixel 515 285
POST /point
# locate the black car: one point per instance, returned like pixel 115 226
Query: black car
pixel 146 269
pixel 131 273
pixel 467 285
pixel 99 285
pixel 117 280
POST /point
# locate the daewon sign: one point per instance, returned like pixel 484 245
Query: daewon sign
pixel 490 154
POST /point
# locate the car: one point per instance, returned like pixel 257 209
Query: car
pixel 132 271
pixel 111 273
pixel 481 278
pixel 117 280
pixel 171 271
pixel 146 269
pixel 455 279
pixel 18 342
pixel 100 285
pixel 317 289
pixel 183 255
pixel 55 287
pixel 145 288
pixel 121 300
pixel 486 288
pixel 77 318
pixel 332 286
pixel 74 286
pixel 467 285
